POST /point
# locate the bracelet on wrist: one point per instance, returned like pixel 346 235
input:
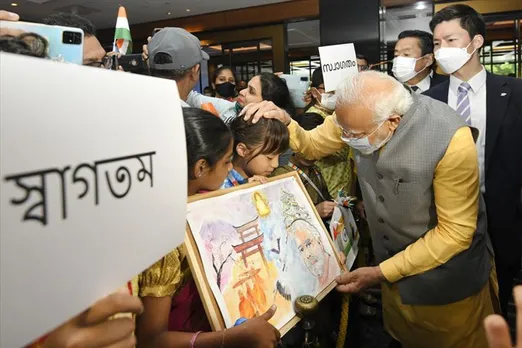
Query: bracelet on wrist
pixel 194 338
pixel 223 338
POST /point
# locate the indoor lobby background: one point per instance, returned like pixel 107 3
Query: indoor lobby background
pixel 254 36
pixel 284 36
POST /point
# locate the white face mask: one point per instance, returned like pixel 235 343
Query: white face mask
pixel 451 59
pixel 328 101
pixel 363 144
pixel 404 68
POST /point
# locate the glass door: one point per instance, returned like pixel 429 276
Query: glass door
pixel 246 58
pixel 502 52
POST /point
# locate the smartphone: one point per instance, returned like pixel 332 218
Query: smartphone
pixel 297 85
pixel 133 63
pixel 65 44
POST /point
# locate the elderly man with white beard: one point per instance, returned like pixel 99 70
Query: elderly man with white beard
pixel 418 169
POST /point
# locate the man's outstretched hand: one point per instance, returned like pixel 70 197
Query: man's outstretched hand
pixel 359 279
pixel 265 109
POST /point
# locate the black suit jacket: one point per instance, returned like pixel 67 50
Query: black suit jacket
pixel 437 79
pixel 503 163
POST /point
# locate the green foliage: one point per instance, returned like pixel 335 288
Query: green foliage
pixel 505 68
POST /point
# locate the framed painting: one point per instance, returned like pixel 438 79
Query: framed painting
pixel 253 246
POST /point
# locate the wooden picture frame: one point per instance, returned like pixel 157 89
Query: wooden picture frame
pixel 210 304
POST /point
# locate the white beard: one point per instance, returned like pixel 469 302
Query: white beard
pixel 317 269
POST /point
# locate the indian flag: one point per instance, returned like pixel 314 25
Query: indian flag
pixel 122 35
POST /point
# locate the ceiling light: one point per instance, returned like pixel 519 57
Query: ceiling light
pixel 168 13
pixel 188 10
pixel 14 4
pixel 421 6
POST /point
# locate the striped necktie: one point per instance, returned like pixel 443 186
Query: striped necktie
pixel 463 105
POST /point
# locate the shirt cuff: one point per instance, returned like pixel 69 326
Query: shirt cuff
pixel 390 271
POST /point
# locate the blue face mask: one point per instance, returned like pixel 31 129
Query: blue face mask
pixel 363 144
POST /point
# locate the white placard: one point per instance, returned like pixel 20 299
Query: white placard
pixel 93 187
pixel 337 63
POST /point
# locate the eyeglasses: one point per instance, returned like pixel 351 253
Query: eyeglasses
pixel 106 63
pixel 351 135
pixel 362 67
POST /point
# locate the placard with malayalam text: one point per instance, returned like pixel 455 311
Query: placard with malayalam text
pixel 337 63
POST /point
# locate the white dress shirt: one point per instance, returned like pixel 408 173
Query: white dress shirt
pixel 477 102
pixel 423 85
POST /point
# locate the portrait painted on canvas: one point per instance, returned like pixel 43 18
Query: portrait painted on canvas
pixel 260 246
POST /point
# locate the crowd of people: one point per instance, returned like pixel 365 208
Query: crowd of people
pixel 435 161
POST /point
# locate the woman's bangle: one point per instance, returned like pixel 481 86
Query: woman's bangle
pixel 194 338
pixel 223 339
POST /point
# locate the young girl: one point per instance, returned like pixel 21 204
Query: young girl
pixel 173 313
pixel 257 147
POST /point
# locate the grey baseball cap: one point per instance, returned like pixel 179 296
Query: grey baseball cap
pixel 183 47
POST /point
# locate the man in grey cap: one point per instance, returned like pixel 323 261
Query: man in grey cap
pixel 176 54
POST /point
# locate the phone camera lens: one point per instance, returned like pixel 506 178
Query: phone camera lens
pixel 71 37
pixel 78 38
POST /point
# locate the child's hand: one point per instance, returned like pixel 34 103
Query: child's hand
pixel 325 209
pixel 258 178
pixel 258 332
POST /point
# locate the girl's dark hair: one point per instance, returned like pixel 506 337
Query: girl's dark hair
pixel 28 44
pixel 274 89
pixel 207 138
pixel 271 135
pixel 223 68
pixel 317 78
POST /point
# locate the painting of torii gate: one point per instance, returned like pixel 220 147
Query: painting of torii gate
pixel 259 246
pixel 252 241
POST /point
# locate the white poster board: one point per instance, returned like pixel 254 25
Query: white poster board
pixel 337 63
pixel 93 187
